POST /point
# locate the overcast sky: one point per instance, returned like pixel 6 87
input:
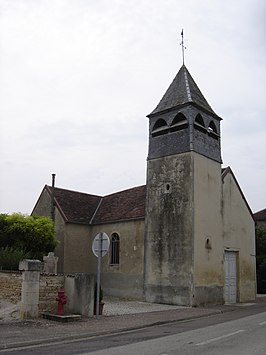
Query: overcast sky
pixel 78 77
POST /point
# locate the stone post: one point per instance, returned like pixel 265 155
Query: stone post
pixel 30 288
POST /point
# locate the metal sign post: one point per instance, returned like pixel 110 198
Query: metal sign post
pixel 100 247
pixel 100 241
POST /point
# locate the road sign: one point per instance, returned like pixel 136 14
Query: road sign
pixel 100 248
pixel 100 244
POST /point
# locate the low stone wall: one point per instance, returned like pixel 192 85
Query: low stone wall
pixel 10 289
pixel 10 286
pixel 49 287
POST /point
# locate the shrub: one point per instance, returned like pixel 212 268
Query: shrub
pixel 10 258
pixel 33 234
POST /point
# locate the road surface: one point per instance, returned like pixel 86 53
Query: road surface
pixel 238 332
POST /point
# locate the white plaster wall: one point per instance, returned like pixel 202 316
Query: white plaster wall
pixel 208 262
pixel 239 235
pixel 76 248
pixel 125 279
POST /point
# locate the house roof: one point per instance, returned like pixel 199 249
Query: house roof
pixel 260 215
pixel 78 207
pixel 124 205
pixel 183 90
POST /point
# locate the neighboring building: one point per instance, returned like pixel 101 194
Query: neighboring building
pixel 194 242
pixel 260 219
pixel 260 222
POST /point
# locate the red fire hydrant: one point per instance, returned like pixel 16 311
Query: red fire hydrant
pixel 62 300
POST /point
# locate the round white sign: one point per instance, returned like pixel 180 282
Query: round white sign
pixel 100 245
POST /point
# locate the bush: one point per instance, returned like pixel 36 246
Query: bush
pixel 10 258
pixel 33 234
pixel 261 259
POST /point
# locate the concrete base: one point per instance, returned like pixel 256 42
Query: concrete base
pixel 64 318
pixel 178 296
pixel 206 295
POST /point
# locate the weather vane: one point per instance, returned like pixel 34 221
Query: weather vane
pixel 182 45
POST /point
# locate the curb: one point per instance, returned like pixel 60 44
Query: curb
pixel 78 337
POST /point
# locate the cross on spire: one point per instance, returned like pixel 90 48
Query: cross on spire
pixel 182 45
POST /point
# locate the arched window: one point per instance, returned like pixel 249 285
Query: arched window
pixel 160 127
pixel 212 127
pixel 179 122
pixel 115 249
pixel 212 130
pixel 199 123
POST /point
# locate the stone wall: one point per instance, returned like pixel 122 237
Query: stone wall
pixel 10 291
pixel 49 286
pixel 169 230
pixel 10 282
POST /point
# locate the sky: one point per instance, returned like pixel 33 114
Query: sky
pixel 78 77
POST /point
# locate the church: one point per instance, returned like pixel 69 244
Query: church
pixel 187 237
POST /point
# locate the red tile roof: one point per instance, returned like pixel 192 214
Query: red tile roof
pixel 123 205
pixel 78 207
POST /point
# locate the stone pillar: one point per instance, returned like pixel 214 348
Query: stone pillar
pixel 30 288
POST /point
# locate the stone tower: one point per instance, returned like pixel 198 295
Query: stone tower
pixel 183 238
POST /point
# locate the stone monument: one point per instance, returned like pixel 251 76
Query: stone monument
pixel 50 264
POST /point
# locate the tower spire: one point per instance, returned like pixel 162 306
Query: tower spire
pixel 183 47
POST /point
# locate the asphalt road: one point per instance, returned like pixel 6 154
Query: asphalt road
pixel 238 332
pixel 245 336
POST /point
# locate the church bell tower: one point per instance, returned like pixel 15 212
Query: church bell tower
pixel 183 204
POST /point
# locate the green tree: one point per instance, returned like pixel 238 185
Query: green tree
pixel 10 258
pixel 261 259
pixel 34 235
pixel 260 244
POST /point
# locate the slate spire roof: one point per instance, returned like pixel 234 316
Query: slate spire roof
pixel 183 90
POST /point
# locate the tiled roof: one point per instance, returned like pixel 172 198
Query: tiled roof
pixel 124 205
pixel 182 90
pixel 78 207
pixel 260 215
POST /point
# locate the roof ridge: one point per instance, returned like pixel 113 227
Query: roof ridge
pixel 75 191
pixel 187 86
pixel 57 204
pixel 118 192
pixel 96 210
